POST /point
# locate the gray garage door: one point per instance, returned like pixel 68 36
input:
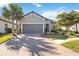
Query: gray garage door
pixel 32 28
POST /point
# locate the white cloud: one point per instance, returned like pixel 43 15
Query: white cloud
pixel 77 10
pixel 53 14
pixel 37 4
pixel 3 4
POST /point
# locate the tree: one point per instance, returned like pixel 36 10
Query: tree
pixel 14 13
pixel 6 14
pixel 19 15
pixel 63 20
pixel 76 21
pixel 67 19
pixel 9 14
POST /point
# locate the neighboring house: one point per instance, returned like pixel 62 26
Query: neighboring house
pixel 73 28
pixel 3 23
pixel 35 23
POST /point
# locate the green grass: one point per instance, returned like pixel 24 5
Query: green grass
pixel 62 36
pixel 58 36
pixel 5 38
pixel 72 35
pixel 74 45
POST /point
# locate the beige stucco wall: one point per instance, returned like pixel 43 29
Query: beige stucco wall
pixel 2 26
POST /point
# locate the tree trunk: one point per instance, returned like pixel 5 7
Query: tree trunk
pixel 76 28
pixel 17 26
pixel 13 30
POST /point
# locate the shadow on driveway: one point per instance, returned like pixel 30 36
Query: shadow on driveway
pixel 35 46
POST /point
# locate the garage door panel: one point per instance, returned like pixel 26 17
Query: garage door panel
pixel 32 28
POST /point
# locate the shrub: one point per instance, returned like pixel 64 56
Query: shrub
pixel 71 33
pixel 76 32
pixel 59 30
pixel 1 33
pixel 54 31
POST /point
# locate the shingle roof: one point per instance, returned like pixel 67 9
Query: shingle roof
pixel 38 15
pixel 2 19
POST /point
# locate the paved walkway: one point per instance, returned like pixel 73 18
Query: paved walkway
pixel 59 41
pixel 34 45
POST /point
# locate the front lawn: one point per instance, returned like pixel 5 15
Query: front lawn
pixel 72 35
pixel 5 38
pixel 74 45
pixel 57 36
pixel 62 36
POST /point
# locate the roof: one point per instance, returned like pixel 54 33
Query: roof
pixel 5 21
pixel 38 15
pixel 2 19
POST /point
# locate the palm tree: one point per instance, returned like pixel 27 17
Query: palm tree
pixel 19 15
pixel 63 20
pixel 14 13
pixel 67 19
pixel 18 25
pixel 76 21
pixel 6 14
pixel 9 14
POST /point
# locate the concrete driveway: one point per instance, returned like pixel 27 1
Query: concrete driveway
pixel 34 45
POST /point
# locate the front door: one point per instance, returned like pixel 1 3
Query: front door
pixel 47 28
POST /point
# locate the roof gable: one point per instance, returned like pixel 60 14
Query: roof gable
pixel 38 15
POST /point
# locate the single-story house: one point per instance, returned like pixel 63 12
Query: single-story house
pixel 35 23
pixel 31 23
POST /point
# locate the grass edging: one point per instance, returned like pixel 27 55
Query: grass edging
pixel 74 45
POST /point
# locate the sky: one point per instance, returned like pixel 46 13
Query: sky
pixel 48 10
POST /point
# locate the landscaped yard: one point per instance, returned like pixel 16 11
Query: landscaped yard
pixel 5 38
pixel 74 45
